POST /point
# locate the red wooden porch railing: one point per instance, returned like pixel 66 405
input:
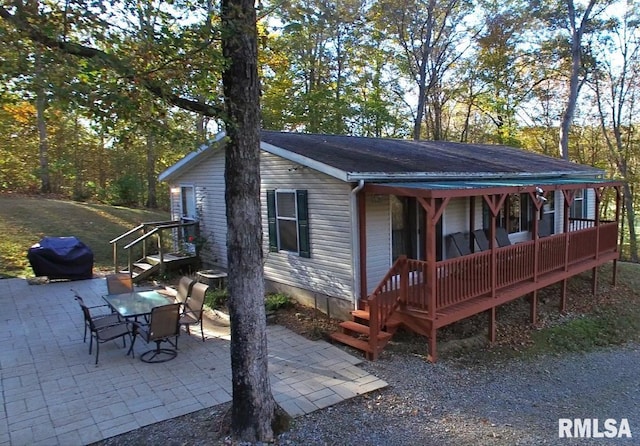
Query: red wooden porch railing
pixel 384 300
pixel 464 278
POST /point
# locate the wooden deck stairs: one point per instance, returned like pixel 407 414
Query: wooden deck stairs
pixel 356 333
pixel 142 269
pixel 151 265
pixel 159 238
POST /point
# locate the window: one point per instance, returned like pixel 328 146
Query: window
pixel 408 229
pixel 515 216
pixel 578 208
pixel 288 221
pixel 187 203
pixel 188 211
pixel 548 222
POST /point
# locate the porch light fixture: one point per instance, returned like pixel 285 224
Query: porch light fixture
pixel 175 190
pixel 540 194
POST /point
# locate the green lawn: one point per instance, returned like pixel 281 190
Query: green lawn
pixel 25 220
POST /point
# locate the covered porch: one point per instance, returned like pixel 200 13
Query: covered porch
pixel 441 288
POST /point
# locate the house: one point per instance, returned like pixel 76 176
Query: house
pixel 413 233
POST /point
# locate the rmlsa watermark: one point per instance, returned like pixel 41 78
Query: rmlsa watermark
pixel 593 428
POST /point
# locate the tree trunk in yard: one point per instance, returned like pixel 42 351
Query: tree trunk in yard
pixel 575 83
pixel 254 408
pixel 422 92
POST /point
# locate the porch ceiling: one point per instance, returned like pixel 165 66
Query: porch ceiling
pixel 465 188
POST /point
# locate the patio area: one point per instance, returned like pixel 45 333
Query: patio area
pixel 54 394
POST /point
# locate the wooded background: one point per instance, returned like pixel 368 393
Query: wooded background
pixel 553 77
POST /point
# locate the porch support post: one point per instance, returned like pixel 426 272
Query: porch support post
pixel 492 324
pixel 434 209
pixel 472 222
pixel 533 310
pixel 432 356
pixel 618 212
pixel 495 203
pixel 568 200
pixel 536 239
pixel 594 272
pixel 362 236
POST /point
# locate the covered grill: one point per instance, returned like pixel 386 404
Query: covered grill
pixel 61 258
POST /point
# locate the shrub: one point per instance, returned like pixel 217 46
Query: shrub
pixel 216 298
pixel 274 302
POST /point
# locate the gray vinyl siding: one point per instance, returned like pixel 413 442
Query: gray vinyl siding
pixel 208 179
pixel 456 216
pixel 590 202
pixel 378 239
pixel 329 270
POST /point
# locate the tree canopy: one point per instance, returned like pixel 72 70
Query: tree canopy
pixel 139 84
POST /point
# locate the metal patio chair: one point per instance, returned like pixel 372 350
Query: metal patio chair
pixel 502 237
pixel 119 283
pixel 194 308
pixel 98 320
pixel 481 240
pixel 104 328
pixel 184 289
pixel 163 325
pixel 458 244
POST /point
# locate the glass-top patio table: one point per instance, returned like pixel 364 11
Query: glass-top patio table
pixel 137 303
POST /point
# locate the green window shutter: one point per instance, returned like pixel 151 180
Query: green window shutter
pixel 303 224
pixel 271 217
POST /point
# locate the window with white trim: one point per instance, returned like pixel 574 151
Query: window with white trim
pixel 578 207
pixel 515 216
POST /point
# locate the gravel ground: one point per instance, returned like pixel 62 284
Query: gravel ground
pixel 514 402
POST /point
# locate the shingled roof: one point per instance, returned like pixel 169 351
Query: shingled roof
pixel 352 158
pixel 378 157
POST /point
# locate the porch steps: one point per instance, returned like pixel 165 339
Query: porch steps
pixel 144 266
pixel 357 335
pixel 142 269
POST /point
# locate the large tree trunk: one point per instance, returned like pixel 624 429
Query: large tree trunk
pixel 253 405
pixel 574 78
pixel 631 221
pixel 574 83
pixel 422 99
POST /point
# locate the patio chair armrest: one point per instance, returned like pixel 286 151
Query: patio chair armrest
pixel 139 327
pixel 98 306
pixel 103 313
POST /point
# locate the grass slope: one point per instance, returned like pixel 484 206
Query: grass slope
pixel 25 220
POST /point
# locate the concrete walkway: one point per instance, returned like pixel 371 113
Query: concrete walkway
pixel 52 393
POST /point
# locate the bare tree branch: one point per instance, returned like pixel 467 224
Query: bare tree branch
pixel 106 60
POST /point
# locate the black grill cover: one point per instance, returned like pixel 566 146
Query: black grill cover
pixel 61 258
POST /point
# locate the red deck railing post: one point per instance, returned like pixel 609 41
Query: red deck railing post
pixel 374 324
pixel 404 279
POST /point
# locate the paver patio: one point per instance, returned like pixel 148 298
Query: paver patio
pixel 52 392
